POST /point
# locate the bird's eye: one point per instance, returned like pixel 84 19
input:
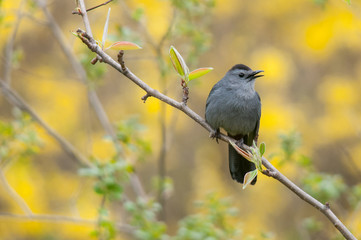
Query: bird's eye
pixel 241 75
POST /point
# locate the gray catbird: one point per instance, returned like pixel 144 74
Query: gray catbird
pixel 235 106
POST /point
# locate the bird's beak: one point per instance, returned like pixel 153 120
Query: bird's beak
pixel 254 75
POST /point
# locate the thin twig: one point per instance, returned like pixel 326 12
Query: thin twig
pixel 92 8
pixel 164 130
pixel 85 17
pixel 9 46
pixel 126 12
pixel 168 31
pixel 14 195
pixel 100 217
pixel 271 171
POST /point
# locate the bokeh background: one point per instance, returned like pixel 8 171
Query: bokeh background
pixel 311 112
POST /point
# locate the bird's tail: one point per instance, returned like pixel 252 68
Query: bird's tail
pixel 239 166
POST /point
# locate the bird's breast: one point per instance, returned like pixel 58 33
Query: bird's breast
pixel 237 113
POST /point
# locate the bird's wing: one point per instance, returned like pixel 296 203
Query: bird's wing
pixel 215 87
pixel 252 136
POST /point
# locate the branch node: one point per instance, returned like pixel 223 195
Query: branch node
pixel 94 61
pixel 270 173
pixel 267 172
pixel 327 205
pixel 145 97
pixel 77 11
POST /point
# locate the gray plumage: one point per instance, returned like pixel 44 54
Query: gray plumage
pixel 234 105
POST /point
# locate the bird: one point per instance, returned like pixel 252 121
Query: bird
pixel 234 105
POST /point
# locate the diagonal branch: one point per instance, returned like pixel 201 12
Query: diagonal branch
pixel 324 208
pixel 9 46
pixel 12 97
pixel 89 41
pixel 14 195
pixel 271 170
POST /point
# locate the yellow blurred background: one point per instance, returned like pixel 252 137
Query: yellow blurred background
pixel 310 53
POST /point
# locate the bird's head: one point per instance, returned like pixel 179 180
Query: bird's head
pixel 242 75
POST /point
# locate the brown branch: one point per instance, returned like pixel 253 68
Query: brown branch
pixel 271 170
pixel 145 97
pixel 9 46
pixel 185 92
pixel 92 8
pixel 87 40
pixel 165 131
pixel 14 195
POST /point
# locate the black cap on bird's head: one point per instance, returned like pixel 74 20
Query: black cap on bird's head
pixel 241 66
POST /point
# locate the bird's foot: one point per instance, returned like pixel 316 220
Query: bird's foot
pixel 215 134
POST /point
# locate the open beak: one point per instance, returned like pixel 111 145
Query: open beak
pixel 254 75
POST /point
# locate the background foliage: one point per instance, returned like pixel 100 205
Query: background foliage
pixel 310 52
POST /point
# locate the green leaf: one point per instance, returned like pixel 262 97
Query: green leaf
pixel 138 14
pixel 105 31
pixel 348 2
pixel 199 72
pixel 256 156
pixel 75 34
pixel 249 177
pixel 114 187
pixel 124 45
pixel 179 63
pixel 262 148
pixel 103 212
pixel 99 188
pixel 91 172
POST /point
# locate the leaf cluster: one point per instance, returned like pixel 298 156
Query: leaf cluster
pixel 129 133
pixel 106 228
pixel 143 214
pixel 110 177
pixel 214 221
pixel 18 138
pixel 193 18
